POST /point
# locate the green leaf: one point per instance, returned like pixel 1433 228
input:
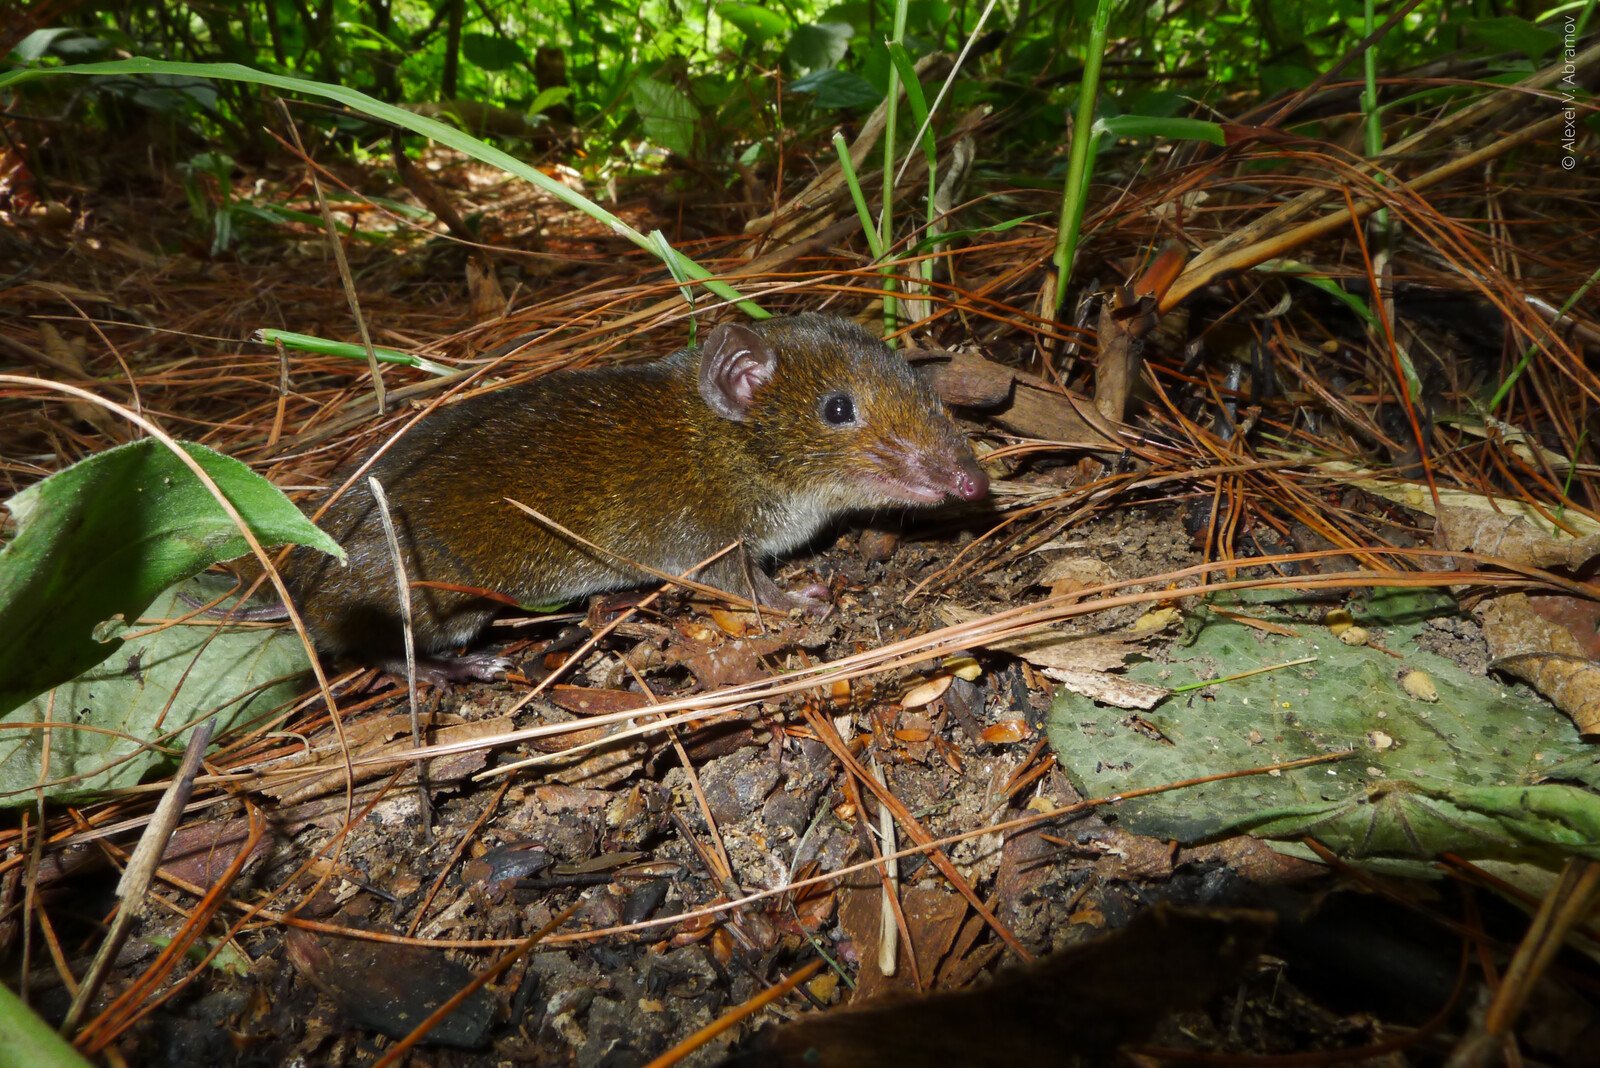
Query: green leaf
pixel 918 105
pixel 1310 275
pixel 820 45
pixel 1498 34
pixel 955 235
pixel 837 89
pixel 277 214
pixel 78 47
pixel 28 1042
pixel 487 51
pixel 548 98
pixel 98 541
pixel 39 42
pixel 345 350
pixel 1468 773
pixel 856 12
pixel 171 94
pixel 114 724
pixel 227 960
pixel 668 115
pixel 1153 126
pixel 756 22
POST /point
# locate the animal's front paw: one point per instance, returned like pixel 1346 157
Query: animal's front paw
pixel 813 599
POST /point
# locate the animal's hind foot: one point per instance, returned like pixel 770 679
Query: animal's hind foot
pixel 446 671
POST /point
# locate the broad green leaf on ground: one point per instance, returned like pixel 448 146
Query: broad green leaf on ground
pixel 98 541
pixel 1469 773
pixel 132 714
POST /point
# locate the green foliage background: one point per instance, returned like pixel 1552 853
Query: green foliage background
pixel 721 81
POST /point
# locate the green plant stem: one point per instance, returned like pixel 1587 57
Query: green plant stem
pixel 345 350
pixel 874 242
pixel 886 217
pixel 1073 195
pixel 918 104
pixel 1374 114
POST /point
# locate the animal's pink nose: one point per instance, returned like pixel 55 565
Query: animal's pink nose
pixel 971 483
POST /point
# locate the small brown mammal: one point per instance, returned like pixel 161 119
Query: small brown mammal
pixel 764 434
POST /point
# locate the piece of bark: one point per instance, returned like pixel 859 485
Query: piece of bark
pixel 1021 403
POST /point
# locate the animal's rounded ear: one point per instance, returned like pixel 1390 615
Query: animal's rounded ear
pixel 735 363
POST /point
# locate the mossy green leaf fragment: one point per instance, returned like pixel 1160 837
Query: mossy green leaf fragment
pixel 1488 770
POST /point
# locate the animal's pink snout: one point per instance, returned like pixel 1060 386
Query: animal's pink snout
pixel 970 484
pixel 932 476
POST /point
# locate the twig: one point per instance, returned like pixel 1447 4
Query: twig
pixel 141 869
pixel 399 565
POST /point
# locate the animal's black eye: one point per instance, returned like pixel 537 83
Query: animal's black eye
pixel 839 409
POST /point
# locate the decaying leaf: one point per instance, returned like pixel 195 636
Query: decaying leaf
pixel 1022 403
pixel 1114 690
pixel 963 667
pixel 1489 525
pixel 1006 731
pixel 1544 654
pixel 324 765
pixel 717 661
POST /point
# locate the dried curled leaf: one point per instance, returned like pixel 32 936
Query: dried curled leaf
pixel 1543 654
